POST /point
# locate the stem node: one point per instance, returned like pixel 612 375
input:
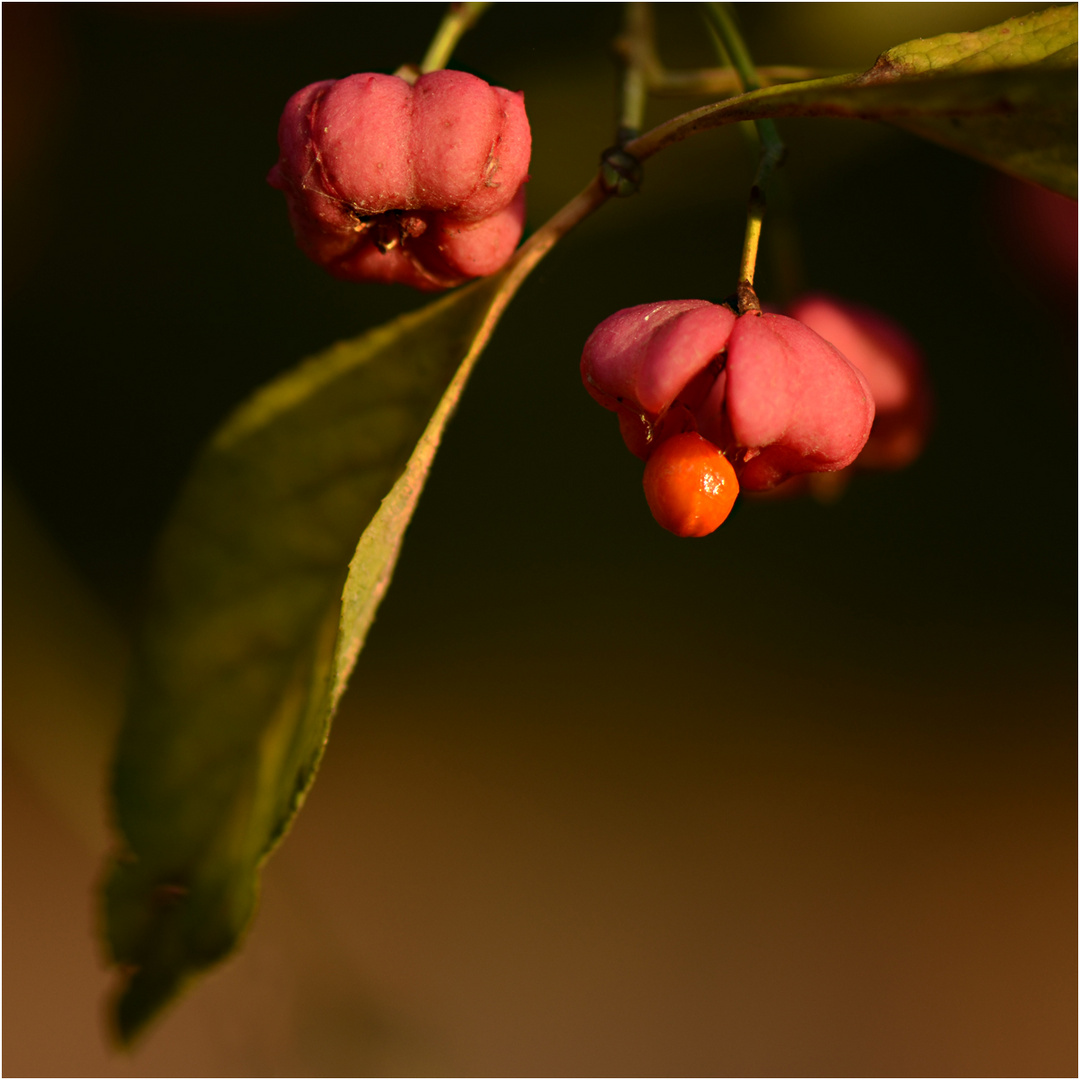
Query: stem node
pixel 620 173
pixel 747 298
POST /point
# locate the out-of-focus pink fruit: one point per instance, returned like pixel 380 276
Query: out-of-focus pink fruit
pixel 1037 230
pixel 417 183
pixel 894 370
pixel 774 396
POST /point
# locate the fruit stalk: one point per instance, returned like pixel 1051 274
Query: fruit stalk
pixel 457 20
pixel 771 152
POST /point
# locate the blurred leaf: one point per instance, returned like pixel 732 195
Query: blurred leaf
pixel 1005 95
pixel 248 642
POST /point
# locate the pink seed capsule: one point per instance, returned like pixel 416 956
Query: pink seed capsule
pixel 420 183
pixel 775 397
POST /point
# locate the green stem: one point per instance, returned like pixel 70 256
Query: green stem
pixel 723 82
pixel 619 171
pixel 634 47
pixel 771 152
pixel 458 19
pixel 598 192
pixel 747 129
pixel 755 216
pixel 632 112
pixel 721 20
pixel 759 105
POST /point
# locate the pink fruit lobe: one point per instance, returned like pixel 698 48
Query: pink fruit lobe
pixel 894 369
pixel 792 403
pixel 640 360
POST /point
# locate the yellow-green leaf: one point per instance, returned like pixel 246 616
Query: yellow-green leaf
pixel 1045 38
pixel 248 642
pixel 1005 95
pixel 1033 134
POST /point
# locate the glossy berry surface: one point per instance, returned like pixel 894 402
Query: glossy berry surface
pixel 420 183
pixel 690 486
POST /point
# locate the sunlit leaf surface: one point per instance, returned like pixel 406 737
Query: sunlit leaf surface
pixel 242 657
pixel 1033 134
pixel 1005 95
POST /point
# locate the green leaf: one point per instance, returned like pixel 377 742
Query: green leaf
pixel 1035 139
pixel 249 641
pixel 1046 38
pixel 1005 95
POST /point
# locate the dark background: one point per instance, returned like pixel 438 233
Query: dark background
pixel 797 798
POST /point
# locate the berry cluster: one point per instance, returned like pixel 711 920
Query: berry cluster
pixel 420 183
pixel 716 402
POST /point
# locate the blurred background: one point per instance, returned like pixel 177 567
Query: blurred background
pixel 798 798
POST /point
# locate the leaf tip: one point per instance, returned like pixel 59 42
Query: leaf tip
pixel 140 999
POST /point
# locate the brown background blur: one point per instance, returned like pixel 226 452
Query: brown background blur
pixel 795 799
